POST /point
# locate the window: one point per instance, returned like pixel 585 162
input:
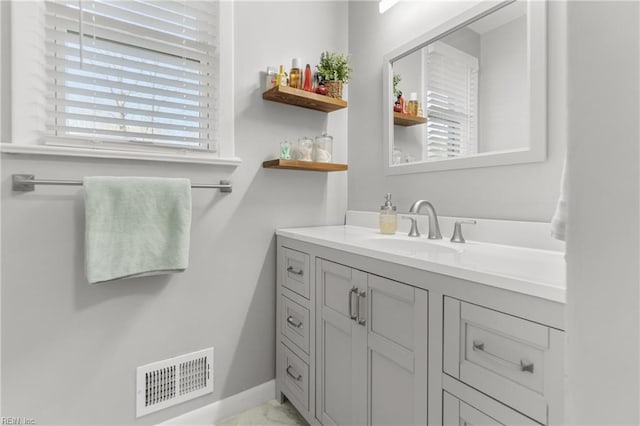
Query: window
pixel 131 72
pixel 451 87
pixel 123 75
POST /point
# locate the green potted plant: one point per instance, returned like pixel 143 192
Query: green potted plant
pixel 335 70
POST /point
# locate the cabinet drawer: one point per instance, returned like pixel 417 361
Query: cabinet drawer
pixel 506 357
pixel 295 323
pixel 295 271
pixel 296 377
pixel 462 405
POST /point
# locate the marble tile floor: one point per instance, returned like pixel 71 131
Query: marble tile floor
pixel 271 413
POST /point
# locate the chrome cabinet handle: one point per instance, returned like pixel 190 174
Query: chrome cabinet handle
pixel 293 271
pixel 294 377
pixel 362 294
pixel 478 346
pixel 351 314
pixel 524 365
pixel 293 323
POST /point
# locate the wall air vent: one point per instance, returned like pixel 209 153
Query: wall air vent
pixel 172 381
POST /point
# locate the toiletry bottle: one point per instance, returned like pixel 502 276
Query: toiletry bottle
pixel 294 74
pixel 308 79
pixel 281 78
pixel 270 78
pixel 412 108
pixel 388 216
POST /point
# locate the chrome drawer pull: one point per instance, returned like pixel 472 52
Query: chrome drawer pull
pixel 524 366
pixel 361 321
pixel 293 323
pixel 296 378
pixel 351 314
pixel 293 271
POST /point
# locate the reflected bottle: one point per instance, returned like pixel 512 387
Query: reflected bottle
pixel 412 107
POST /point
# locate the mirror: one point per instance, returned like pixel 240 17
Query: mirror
pixel 470 93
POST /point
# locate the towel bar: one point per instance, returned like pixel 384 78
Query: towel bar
pixel 27 183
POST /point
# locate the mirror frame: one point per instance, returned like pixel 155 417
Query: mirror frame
pixel 537 70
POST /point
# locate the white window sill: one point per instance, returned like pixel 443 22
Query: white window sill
pixel 200 158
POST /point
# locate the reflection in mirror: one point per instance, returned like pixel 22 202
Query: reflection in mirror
pixel 464 92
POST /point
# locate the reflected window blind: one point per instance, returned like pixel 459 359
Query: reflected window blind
pixel 451 87
pixel 132 74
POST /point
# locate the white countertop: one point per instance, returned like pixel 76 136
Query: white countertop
pixel 535 272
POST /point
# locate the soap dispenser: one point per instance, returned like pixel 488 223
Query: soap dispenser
pixel 388 216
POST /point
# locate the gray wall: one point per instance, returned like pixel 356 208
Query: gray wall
pixel 603 292
pixel 525 192
pixel 70 349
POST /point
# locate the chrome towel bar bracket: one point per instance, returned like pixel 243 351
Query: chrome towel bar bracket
pixel 27 183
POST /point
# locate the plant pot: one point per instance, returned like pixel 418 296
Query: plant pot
pixel 334 88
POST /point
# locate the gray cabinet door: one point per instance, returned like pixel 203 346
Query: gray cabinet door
pixel 341 359
pixel 396 323
pixel 372 340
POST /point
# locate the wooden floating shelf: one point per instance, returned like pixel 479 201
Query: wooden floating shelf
pixel 400 119
pixel 309 166
pixel 304 99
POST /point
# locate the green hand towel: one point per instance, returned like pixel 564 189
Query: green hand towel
pixel 136 226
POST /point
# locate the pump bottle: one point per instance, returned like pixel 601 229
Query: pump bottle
pixel 388 216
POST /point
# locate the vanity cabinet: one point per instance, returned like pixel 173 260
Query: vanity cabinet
pixel 372 348
pixel 364 341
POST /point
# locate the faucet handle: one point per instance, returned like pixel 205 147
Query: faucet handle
pixel 413 232
pixel 457 230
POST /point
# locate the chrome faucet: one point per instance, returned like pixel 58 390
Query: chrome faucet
pixel 434 227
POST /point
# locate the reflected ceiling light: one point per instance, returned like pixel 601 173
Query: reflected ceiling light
pixel 385 5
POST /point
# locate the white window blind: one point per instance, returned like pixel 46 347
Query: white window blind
pixel 132 74
pixel 451 87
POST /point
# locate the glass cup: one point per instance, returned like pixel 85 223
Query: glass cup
pixel 323 148
pixel 285 150
pixel 304 149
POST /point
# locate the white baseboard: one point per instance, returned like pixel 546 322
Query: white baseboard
pixel 235 404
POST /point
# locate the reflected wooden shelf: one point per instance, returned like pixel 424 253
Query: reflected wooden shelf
pixel 309 166
pixel 304 99
pixel 405 120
